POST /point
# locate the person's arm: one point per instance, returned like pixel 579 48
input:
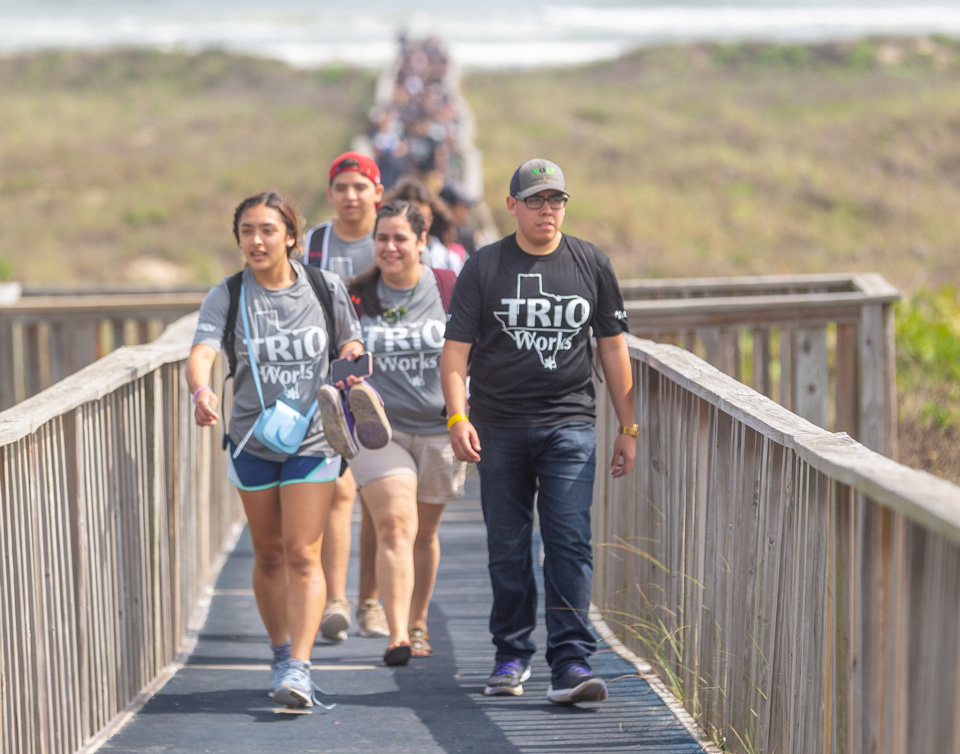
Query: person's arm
pixel 199 368
pixel 453 380
pixel 615 360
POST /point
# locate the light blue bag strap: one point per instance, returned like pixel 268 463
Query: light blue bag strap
pixel 250 351
pixel 256 373
pixel 253 365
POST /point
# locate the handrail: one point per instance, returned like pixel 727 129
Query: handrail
pixel 114 516
pixel 793 588
pixel 820 345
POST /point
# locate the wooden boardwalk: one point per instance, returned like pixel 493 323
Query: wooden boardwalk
pixel 217 701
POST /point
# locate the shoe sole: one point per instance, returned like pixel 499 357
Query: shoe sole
pixel 593 690
pixel 335 427
pixel 372 634
pixel 292 698
pixel 509 690
pixel 334 627
pixel 397 656
pixel 370 422
pixel 503 691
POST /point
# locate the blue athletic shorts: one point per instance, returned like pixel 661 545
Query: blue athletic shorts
pixel 247 472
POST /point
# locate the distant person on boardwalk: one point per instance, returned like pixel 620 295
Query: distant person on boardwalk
pixel 526 305
pixel 460 205
pixel 345 245
pixel 406 484
pixel 280 339
pixel 436 254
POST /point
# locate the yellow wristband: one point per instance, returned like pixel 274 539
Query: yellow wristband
pixel 456 418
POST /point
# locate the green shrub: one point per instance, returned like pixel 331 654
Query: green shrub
pixel 928 355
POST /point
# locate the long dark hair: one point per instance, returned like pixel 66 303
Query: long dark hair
pixel 364 286
pixel 279 202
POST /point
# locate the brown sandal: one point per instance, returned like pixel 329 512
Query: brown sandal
pixel 419 644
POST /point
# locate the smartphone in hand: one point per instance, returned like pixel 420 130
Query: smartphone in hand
pixel 340 369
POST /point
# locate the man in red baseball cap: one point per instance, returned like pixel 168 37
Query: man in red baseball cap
pixel 345 245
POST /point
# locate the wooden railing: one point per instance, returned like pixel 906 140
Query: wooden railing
pixel 796 591
pixel 820 345
pixel 114 515
pixel 51 333
pixel 793 588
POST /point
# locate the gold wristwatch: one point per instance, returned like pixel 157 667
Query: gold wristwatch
pixel 630 429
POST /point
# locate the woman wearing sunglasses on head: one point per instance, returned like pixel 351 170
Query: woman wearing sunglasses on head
pixel 402 307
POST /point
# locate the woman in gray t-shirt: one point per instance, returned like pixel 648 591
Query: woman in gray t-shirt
pixel 286 497
pixel 406 484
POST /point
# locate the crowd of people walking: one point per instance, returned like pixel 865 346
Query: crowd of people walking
pixel 349 345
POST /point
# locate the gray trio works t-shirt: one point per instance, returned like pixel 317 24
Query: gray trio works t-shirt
pixel 288 329
pixel 346 258
pixel 406 356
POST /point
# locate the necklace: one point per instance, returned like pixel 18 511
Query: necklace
pixel 395 313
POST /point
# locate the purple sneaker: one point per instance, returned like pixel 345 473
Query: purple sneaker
pixel 337 421
pixel 372 425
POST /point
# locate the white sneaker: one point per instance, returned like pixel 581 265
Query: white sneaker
pixel 336 619
pixel 371 620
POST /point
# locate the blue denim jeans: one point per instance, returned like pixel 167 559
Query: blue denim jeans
pixel 561 460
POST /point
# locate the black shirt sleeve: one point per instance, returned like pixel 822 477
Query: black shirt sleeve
pixel 610 318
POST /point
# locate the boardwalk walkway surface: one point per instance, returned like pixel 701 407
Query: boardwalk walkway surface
pixel 217 702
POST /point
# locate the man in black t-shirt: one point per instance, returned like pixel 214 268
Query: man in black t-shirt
pixel 526 305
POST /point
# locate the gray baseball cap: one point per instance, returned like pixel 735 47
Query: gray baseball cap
pixel 537 175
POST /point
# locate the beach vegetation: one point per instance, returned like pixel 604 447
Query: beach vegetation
pixel 700 159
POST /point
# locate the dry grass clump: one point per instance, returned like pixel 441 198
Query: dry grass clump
pixel 682 161
pixel 746 159
pixel 117 166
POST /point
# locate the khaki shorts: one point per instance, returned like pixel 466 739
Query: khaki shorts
pixel 440 476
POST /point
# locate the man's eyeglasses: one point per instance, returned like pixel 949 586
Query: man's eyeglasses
pixel 557 201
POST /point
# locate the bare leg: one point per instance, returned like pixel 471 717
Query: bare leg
pixel 269 563
pixel 305 510
pixel 393 507
pixel 368 555
pixel 426 560
pixel 335 554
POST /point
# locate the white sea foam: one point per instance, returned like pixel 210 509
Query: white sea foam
pixel 495 33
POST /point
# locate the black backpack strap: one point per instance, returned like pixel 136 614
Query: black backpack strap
pixel 446 279
pixel 229 331
pixel 316 277
pixel 489 263
pixel 229 340
pixel 586 260
pixel 314 243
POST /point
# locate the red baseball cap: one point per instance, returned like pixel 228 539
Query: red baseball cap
pixel 356 162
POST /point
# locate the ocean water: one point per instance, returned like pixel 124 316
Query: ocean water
pixel 481 33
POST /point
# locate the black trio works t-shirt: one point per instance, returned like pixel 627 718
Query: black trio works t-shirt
pixel 530 326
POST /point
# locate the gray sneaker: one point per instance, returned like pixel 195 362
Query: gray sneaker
pixel 337 421
pixel 371 620
pixel 336 619
pixel 295 690
pixel 507 678
pixel 576 684
pixel 371 423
